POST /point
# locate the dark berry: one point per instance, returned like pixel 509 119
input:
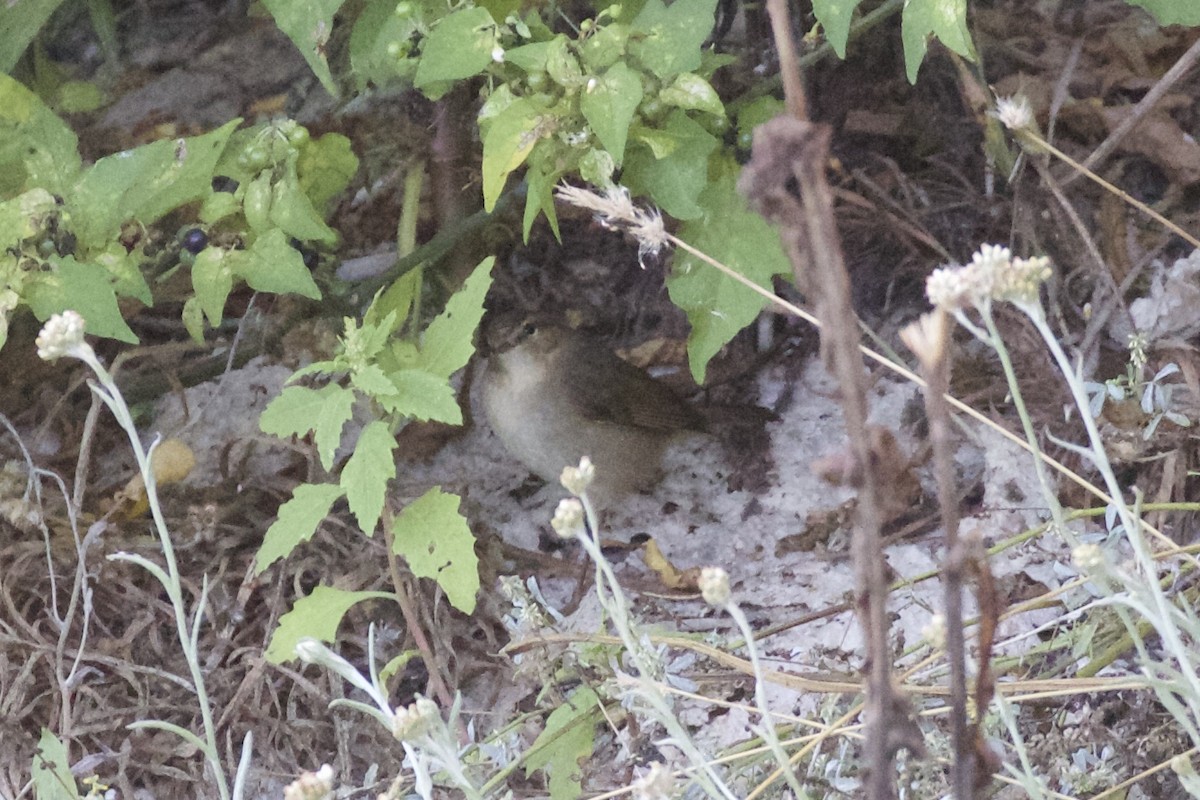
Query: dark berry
pixel 194 241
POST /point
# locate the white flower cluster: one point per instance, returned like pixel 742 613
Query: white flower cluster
pixel 62 335
pixel 415 720
pixel 992 275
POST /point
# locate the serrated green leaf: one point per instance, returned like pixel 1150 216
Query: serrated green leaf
pixel 569 736
pixel 298 410
pixel 367 472
pixel 691 92
pixel 308 23
pixel 144 183
pixel 675 182
pixel 326 166
pixel 272 265
pixel 509 139
pixel 371 380
pixel 37 149
pixel 609 105
pixel 835 17
pixel 293 212
pixel 672 35
pixel 944 19
pixel 434 539
pixel 297 522
pixel 422 396
pixel 212 280
pixel 449 340
pixel 717 306
pixel 1171 12
pixel 85 288
pixel 316 616
pixel 458 47
pixel 51 770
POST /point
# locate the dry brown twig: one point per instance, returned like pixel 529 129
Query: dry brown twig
pixel 785 181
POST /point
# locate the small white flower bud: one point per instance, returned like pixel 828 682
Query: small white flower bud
pixel 714 586
pixel 568 518
pixel 578 479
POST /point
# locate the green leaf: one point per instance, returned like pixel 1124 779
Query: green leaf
pixel 367 473
pixel 759 110
pixel 25 216
pixel 835 17
pixel 371 380
pixel 51 768
pixel 691 92
pixel 717 306
pixel 37 149
pixel 569 736
pixel 675 182
pixel 449 340
pixel 458 47
pixel 144 184
pixel 944 19
pixel 539 196
pixel 529 57
pixel 85 288
pixel 434 539
pixel 273 265
pixel 605 47
pixel 1171 12
pixel 308 23
pixel 193 319
pixel 316 616
pixel 79 97
pixel 212 280
pixel 422 396
pixel 326 166
pixel 297 522
pixel 376 28
pixel 561 64
pixel 509 138
pixel 609 105
pixel 672 35
pixel 293 212
pixel 19 23
pixel 217 206
pixel 597 167
pixel 298 410
pixel 124 270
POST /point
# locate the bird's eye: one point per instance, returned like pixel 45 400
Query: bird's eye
pixel 528 329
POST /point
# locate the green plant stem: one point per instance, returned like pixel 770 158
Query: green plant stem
pixel 612 599
pixel 170 579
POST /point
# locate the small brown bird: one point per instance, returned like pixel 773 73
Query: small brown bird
pixel 553 395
